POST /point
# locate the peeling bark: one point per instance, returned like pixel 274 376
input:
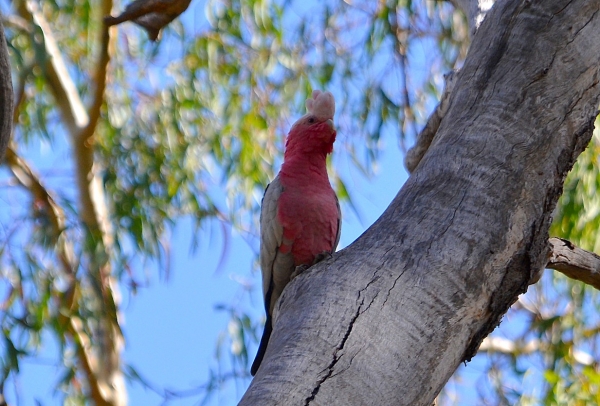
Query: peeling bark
pixel 389 319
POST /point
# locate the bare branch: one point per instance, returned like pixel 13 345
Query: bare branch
pixel 20 94
pixel 574 262
pixel 16 22
pixel 93 208
pixel 99 79
pixel 153 15
pixel 100 391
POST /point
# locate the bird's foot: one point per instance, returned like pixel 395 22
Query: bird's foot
pixel 320 257
pixel 299 269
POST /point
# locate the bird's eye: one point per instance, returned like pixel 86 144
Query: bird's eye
pixel 311 120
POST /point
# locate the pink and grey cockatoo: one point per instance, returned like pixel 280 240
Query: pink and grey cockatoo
pixel 300 219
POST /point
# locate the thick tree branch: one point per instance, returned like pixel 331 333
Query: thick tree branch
pixel 416 294
pixel 475 10
pixel 574 262
pixel 94 210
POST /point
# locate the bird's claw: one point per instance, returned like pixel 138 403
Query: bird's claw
pixel 318 258
pixel 299 269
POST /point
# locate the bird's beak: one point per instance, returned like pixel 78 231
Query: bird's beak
pixel 330 125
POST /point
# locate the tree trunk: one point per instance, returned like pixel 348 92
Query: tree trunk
pixel 390 318
pixel 6 95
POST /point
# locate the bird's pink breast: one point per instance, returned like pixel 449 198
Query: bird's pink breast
pixel 308 212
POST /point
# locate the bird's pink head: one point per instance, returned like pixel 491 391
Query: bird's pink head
pixel 314 132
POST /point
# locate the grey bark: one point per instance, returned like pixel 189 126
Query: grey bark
pixel 475 11
pixel 388 319
pixel 6 95
pixel 425 137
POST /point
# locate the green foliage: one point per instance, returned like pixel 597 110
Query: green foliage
pixel 578 215
pixel 575 330
pixel 195 125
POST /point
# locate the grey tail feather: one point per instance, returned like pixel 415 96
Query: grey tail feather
pixel 262 347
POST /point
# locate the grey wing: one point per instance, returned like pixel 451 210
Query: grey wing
pixel 271 236
pixel 339 225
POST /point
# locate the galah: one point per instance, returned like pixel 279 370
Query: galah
pixel 300 218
